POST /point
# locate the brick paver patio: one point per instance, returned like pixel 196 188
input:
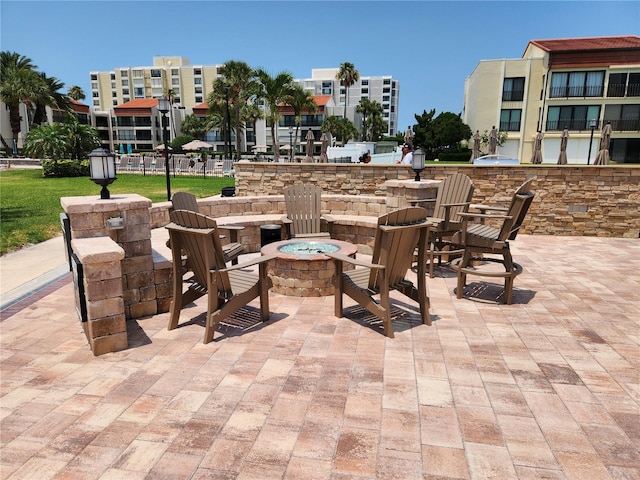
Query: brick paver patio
pixel 545 388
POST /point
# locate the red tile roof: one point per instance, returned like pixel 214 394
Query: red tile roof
pixel 589 43
pixel 321 100
pixel 140 103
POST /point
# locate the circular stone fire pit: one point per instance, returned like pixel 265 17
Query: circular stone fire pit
pixel 301 269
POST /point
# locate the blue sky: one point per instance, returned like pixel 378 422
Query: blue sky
pixel 429 46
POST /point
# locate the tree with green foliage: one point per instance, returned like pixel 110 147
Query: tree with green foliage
pixel 274 90
pixel 342 129
pixel 76 93
pixel 347 75
pixel 373 124
pixel 300 100
pixel 49 95
pixel 70 139
pixel 444 132
pixel 194 126
pixel 235 87
pixel 19 83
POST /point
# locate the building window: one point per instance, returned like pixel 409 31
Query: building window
pixel 138 74
pixel 572 117
pixel 155 73
pixel 625 150
pixel 510 120
pixel 577 84
pixel 365 92
pixel 386 81
pixel 365 82
pixel 95 94
pixel 513 89
pixel 125 82
pixel 138 92
pixel 327 88
pixel 623 118
pixel 197 71
pixel 197 81
pixel 198 99
pixel 123 73
pixel 618 86
pixel 174 72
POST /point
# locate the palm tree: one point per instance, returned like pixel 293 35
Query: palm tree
pixel 274 91
pixel 19 83
pixel 371 112
pixel 194 126
pixel 300 100
pixel 76 93
pixel 347 75
pixel 236 87
pixel 49 96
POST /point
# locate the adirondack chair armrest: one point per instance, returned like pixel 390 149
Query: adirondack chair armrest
pixel 390 228
pixel 353 261
pixel 199 231
pixel 286 220
pixel 485 208
pixel 232 230
pixel 249 263
pixel 327 218
pixel 447 210
pixel 466 215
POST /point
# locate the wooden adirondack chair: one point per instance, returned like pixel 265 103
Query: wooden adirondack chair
pixel 228 288
pixel 399 233
pixel 482 238
pixel 231 250
pixel 454 197
pixel 304 218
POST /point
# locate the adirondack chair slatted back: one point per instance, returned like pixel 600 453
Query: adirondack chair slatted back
pixel 455 189
pixel 394 248
pixel 520 204
pixel 185 201
pixel 203 249
pixel 303 202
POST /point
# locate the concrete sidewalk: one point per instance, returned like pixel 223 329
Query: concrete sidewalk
pixel 30 269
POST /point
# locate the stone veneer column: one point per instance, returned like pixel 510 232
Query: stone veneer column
pixel 88 217
pixel 405 193
pixel 106 326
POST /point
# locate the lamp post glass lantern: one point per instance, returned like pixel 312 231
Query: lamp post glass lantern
pixel 592 126
pixel 417 163
pixel 291 144
pixel 163 107
pixel 103 169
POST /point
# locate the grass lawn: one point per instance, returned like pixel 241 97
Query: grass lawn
pixel 30 203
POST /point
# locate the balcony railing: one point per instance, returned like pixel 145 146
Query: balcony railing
pixel 573 124
pixel 577 91
pixel 510 126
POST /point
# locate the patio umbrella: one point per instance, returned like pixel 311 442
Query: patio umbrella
pixel 562 159
pixel 122 148
pixel 475 153
pixel 196 145
pixel 129 148
pixel 309 148
pixel 493 140
pixel 323 148
pixel 603 153
pixel 408 137
pixel 537 149
pixel 161 147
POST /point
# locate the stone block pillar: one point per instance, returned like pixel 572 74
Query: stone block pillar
pixel 405 193
pixel 125 220
pixel 106 326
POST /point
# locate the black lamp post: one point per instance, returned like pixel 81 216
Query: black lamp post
pixel 103 169
pixel 592 126
pixel 290 144
pixel 163 106
pixel 417 163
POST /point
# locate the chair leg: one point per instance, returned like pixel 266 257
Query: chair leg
pixel 462 277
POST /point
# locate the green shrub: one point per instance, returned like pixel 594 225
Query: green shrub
pixel 65 168
pixel 454 156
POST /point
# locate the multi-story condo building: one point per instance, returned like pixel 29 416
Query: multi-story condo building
pixel 382 89
pixel 578 84
pixel 190 85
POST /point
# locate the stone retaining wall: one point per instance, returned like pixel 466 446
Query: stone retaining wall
pixel 570 200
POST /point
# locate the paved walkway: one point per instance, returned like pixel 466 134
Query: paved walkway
pixel 546 388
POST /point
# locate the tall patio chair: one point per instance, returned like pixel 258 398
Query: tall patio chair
pixel 453 198
pixel 228 288
pixel 398 234
pixel 304 218
pixel 482 239
pixel 231 250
